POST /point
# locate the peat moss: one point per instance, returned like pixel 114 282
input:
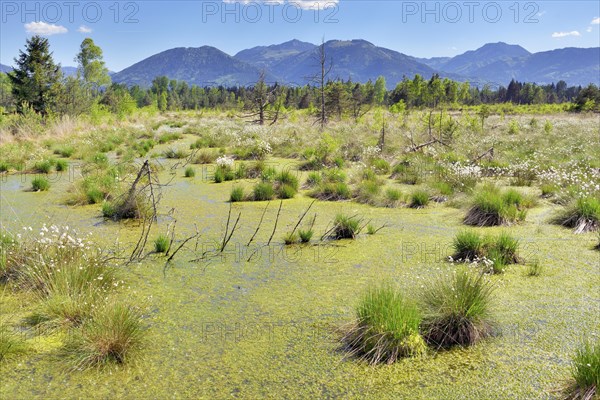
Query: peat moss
pixel 268 327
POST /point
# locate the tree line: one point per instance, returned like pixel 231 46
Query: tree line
pixel 37 85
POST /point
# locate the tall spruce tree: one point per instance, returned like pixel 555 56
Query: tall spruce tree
pixel 36 79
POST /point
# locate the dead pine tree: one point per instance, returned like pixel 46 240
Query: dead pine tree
pixel 320 79
pixel 265 102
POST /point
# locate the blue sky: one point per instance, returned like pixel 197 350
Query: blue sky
pixel 130 31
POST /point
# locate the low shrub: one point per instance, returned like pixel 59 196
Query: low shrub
pixel 386 327
pixel 457 310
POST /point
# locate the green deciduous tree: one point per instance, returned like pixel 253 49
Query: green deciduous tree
pixel 91 66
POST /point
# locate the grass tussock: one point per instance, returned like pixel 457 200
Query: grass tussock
pixel 493 251
pixel 345 227
pixel 386 327
pixel 161 244
pixel 11 343
pixel 583 215
pixel 457 310
pixel 40 184
pixel 419 199
pixel 112 335
pixel 491 207
pixel 585 371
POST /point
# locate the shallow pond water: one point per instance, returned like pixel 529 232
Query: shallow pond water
pixel 267 328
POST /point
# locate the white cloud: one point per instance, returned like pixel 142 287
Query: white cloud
pixel 596 21
pixel 541 13
pixel 589 29
pixel 314 4
pixel 84 29
pixel 302 4
pixel 42 28
pixel 565 34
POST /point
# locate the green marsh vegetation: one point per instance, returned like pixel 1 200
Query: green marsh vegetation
pixel 344 168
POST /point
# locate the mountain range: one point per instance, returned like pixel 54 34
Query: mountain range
pixel 297 63
pixel 67 71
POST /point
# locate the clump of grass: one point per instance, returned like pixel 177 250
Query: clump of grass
pixel 223 173
pixel 290 238
pixel 501 250
pixel 263 191
pixel 65 151
pixel 124 207
pixel 585 372
pixel 534 268
pixel 190 172
pixel 204 157
pixel 4 166
pixel 40 184
pixel 380 166
pixel 331 191
pixel 175 153
pixel 583 215
pixel 61 165
pixel 406 173
pixel 287 178
pixel 43 167
pixel 345 227
pixel 490 207
pixel 386 327
pixel 10 343
pixel 112 335
pixel 371 230
pixel 237 194
pixel 548 190
pixel 161 244
pixel 313 179
pixel 392 197
pixel 457 310
pixel 367 192
pixel 169 137
pixel 419 199
pixel 305 235
pixel 286 192
pixel 468 245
